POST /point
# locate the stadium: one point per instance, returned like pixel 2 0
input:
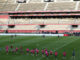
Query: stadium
pixel 40 29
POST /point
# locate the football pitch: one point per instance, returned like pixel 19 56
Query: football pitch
pixel 60 44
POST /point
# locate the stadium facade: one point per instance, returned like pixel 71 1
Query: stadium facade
pixel 30 16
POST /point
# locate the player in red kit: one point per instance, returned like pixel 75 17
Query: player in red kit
pixel 51 52
pixel 46 53
pixel 27 50
pixel 33 51
pixel 37 51
pixel 16 49
pixel 56 54
pixel 42 52
pixel 7 49
pixel 64 55
pixel 21 49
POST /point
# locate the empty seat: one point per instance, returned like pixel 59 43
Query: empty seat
pixel 11 1
pixel 56 27
pixel 1 6
pixel 47 27
pixel 24 27
pixel 4 21
pixel 51 21
pixel 79 6
pixel 37 21
pixel 22 21
pixel 3 1
pixel 35 1
pixel 67 21
pixel 63 0
pixel 9 7
pixel 3 27
pixel 32 7
pixel 61 6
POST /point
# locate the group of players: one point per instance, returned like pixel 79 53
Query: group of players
pixel 44 52
pixel 32 51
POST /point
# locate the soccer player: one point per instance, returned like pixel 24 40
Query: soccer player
pixel 33 52
pixel 27 50
pixel 56 54
pixel 7 49
pixel 46 53
pixel 43 36
pixel 73 54
pixel 16 50
pixel 64 55
pixel 42 52
pixel 0 50
pixel 51 52
pixel 21 49
pixel 46 49
pixel 37 51
pixel 11 48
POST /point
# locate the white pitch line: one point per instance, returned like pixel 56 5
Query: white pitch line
pixel 65 45
pixel 62 46
pixel 17 7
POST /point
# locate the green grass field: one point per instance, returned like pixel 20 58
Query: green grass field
pixel 59 44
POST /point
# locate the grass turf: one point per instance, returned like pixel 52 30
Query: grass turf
pixel 59 44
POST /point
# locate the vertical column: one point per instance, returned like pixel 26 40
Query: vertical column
pixel 27 1
pixel 77 5
pixel 42 0
pixel 55 0
pixel 71 0
pixel 15 1
pixel 17 7
pixel 46 6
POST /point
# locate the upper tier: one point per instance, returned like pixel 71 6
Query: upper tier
pixel 44 6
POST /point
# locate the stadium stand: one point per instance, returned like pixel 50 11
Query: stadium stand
pixel 30 24
pixel 79 7
pixel 3 28
pixel 56 27
pixel 51 21
pixel 9 7
pixel 22 21
pixel 77 21
pixel 7 1
pixel 24 27
pixel 38 6
pixel 42 21
pixel 11 1
pixel 32 7
pixel 3 1
pixel 1 6
pixel 67 21
pixel 63 0
pixel 35 1
pixel 49 28
pixel 48 21
pixel 37 21
pixel 61 6
pixel 4 21
pixel 11 21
